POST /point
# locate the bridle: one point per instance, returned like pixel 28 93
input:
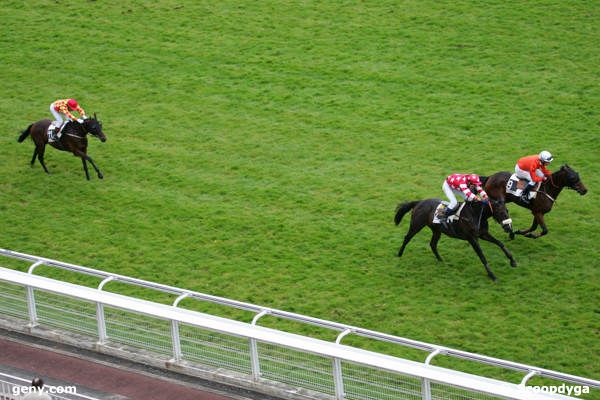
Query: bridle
pixel 506 221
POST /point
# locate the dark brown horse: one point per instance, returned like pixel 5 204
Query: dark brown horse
pixel 565 177
pixel 73 139
pixel 471 225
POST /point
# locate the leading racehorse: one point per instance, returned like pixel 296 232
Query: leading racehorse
pixel 73 139
pixel 471 225
pixel 565 177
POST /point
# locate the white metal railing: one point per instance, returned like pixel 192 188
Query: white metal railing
pixel 262 353
pixel 13 387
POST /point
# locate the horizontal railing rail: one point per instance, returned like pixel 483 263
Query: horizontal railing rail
pixel 431 348
pixel 328 350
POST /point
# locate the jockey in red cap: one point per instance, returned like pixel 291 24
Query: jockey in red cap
pixel 459 184
pixel 61 110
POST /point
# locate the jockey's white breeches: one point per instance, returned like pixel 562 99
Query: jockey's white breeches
pixel 59 118
pixel 522 174
pixel 451 195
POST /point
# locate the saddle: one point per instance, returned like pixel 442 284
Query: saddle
pixel 515 187
pixel 440 212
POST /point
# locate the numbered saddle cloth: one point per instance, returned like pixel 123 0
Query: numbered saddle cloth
pixel 515 187
pixel 440 212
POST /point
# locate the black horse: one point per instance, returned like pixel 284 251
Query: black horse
pixel 565 177
pixel 73 139
pixel 471 225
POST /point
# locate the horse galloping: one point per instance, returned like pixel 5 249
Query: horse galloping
pixel 73 139
pixel 471 225
pixel 565 177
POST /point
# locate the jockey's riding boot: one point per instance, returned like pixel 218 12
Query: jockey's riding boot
pixel 525 194
pixel 448 213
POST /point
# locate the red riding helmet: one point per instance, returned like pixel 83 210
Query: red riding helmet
pixel 72 103
pixel 474 179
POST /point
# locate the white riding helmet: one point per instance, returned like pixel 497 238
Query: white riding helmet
pixel 546 157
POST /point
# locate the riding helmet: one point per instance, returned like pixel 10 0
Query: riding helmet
pixel 72 103
pixel 546 157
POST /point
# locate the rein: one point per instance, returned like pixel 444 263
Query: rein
pixel 479 221
pixel 547 195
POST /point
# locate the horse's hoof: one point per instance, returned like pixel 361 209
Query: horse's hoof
pixel 100 176
pixel 513 264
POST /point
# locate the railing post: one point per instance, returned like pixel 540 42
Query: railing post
pixel 31 298
pixel 425 384
pixel 176 341
pixel 338 380
pixel 31 307
pixel 175 338
pixel 255 363
pixel 527 377
pixel 100 321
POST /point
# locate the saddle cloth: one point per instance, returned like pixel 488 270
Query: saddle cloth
pixel 54 133
pixel 515 187
pixel 441 210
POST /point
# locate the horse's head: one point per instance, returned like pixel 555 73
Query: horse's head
pixel 94 127
pixel 500 214
pixel 572 180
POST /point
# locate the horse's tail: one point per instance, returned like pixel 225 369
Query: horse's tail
pixel 24 134
pixel 402 209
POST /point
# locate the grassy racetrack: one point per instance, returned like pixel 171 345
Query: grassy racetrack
pixel 257 151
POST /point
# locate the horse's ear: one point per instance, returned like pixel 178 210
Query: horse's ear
pixel 95 116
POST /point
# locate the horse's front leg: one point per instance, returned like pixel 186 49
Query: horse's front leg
pixel 486 235
pixel 477 248
pixel 85 157
pixel 85 168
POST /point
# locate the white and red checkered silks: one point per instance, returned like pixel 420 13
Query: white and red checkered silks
pixel 458 184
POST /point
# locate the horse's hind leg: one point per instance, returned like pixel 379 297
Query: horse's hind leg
pixel 35 153
pixel 414 229
pixel 85 168
pixel 479 252
pixel 526 232
pixel 40 153
pixel 434 241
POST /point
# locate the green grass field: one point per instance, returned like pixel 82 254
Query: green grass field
pixel 257 151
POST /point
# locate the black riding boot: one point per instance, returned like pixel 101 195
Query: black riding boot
pixel 449 212
pixel 525 194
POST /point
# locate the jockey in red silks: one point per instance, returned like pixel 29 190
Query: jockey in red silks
pixel 61 110
pixel 459 184
pixel 533 170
